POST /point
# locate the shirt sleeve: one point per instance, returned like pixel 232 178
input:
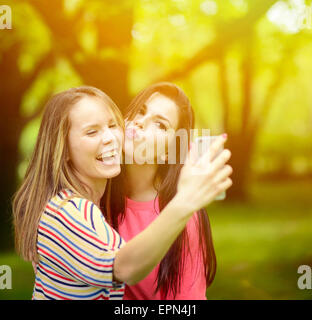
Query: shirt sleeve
pixel 81 243
pixel 193 284
pixel 108 235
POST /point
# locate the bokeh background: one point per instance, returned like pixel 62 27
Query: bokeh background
pixel 246 66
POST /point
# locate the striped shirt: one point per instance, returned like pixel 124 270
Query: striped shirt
pixel 76 249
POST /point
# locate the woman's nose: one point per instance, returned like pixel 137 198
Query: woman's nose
pixel 139 122
pixel 108 137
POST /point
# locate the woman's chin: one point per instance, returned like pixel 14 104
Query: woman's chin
pixel 111 171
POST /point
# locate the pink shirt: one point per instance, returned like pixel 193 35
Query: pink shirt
pixel 193 287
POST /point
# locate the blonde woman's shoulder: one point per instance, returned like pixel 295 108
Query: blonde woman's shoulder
pixel 88 213
pixel 70 208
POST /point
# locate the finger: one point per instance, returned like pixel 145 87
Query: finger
pixel 215 147
pixel 223 174
pixel 219 162
pixel 223 186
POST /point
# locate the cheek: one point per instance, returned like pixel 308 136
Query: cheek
pixel 167 142
pixel 81 149
pixel 151 137
pixel 170 140
pixel 152 131
pixel 119 136
pixel 158 141
pixel 72 142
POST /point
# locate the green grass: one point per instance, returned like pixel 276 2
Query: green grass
pixel 22 278
pixel 259 246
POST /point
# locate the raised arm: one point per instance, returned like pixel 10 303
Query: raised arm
pixel 198 186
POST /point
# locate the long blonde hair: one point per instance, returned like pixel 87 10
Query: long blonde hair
pixel 49 171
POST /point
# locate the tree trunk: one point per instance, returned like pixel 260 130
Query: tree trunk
pixel 241 148
pixel 8 165
pixel 10 129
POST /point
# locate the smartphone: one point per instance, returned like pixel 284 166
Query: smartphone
pixel 202 145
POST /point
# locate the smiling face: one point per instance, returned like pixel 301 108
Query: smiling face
pixel 95 141
pixel 149 130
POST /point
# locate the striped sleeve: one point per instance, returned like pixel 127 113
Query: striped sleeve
pixel 102 228
pixel 79 242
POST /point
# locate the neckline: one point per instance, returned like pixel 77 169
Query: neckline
pixel 65 193
pixel 141 204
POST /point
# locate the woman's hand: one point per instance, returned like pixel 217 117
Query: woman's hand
pixel 201 180
pixel 199 183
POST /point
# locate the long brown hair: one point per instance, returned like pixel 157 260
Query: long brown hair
pixel 171 267
pixel 49 170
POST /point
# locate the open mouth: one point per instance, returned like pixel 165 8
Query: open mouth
pixel 108 157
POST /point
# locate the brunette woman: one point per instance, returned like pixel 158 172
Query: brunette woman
pixel 145 188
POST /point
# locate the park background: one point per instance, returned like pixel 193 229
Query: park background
pixel 246 66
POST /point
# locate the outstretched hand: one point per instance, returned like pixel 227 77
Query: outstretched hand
pixel 202 180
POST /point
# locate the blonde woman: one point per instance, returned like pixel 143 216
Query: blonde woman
pixel 58 220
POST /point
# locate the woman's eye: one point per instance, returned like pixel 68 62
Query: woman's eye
pixel 113 125
pixel 161 125
pixel 90 133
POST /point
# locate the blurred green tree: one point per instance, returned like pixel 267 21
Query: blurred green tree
pixel 240 141
pixel 247 37
pixel 94 38
pixel 232 61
